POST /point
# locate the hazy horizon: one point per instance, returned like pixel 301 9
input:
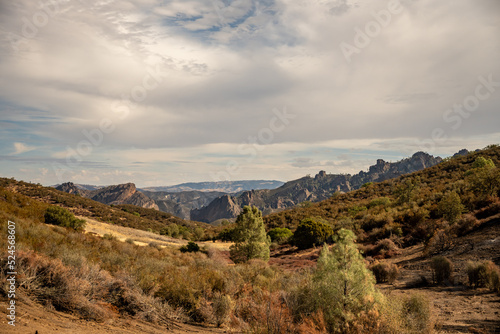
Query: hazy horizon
pixel 168 92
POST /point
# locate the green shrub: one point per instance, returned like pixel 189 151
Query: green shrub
pixel 381 201
pixel 56 215
pixel 442 269
pixel 311 233
pixel 280 234
pixel 191 247
pixel 226 234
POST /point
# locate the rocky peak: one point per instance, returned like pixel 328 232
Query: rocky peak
pixel 118 194
pixel 71 188
pixel 223 207
pixel 320 175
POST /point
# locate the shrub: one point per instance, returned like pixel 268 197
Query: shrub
pixel 381 201
pixel 222 307
pixel 191 247
pixel 418 314
pixel 483 274
pixel 442 269
pixel 311 233
pixel 109 236
pixel 440 241
pixel 226 234
pixel 385 272
pixel 280 234
pixel 482 162
pixel 56 215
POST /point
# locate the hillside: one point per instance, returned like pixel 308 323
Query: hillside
pixel 127 215
pixel 310 189
pixel 116 194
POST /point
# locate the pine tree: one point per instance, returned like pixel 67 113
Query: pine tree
pixel 343 286
pixel 251 241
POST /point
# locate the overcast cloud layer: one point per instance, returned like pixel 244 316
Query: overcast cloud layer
pixel 163 92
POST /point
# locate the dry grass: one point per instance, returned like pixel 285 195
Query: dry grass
pixel 143 238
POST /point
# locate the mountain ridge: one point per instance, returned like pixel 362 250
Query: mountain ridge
pixel 125 193
pixel 311 189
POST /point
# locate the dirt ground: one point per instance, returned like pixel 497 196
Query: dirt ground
pixel 457 308
pixel 32 318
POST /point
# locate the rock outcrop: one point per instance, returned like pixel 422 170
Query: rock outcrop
pixel 221 208
pixel 119 194
pixel 72 188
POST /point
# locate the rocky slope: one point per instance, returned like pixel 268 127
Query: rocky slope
pixel 311 189
pixel 119 194
pixel 181 203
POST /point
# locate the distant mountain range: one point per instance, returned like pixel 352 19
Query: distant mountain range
pixel 227 187
pixel 178 200
pixel 212 201
pixel 312 189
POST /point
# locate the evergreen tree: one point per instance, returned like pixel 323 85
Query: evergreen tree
pixel 450 207
pixel 343 286
pixel 251 241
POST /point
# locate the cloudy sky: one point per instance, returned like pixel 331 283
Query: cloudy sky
pixel 160 92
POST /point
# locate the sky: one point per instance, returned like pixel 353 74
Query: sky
pixel 160 92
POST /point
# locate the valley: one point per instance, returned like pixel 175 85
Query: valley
pixel 137 267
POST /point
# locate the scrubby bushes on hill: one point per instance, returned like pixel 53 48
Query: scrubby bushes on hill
pixel 56 215
pixel 409 207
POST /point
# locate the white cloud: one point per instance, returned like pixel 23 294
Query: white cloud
pixel 20 148
pixel 225 66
